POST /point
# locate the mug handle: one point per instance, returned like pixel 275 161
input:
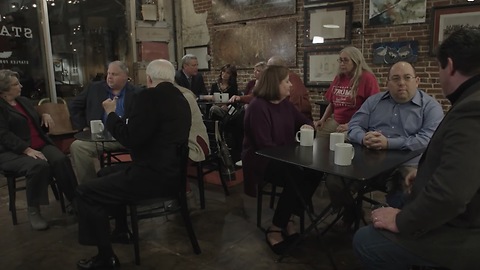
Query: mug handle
pixel 353 152
pixel 102 127
pixel 297 136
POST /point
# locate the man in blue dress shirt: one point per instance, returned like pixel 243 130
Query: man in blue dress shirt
pixel 403 118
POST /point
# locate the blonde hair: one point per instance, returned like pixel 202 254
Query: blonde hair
pixel 360 65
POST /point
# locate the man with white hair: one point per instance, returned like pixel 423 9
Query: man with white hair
pixel 159 121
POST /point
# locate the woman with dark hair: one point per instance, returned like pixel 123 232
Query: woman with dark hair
pixel 226 82
pixel 271 120
pixel 26 149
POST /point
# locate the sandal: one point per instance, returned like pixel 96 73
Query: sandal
pixel 278 248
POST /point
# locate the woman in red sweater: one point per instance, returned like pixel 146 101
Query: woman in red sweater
pixel 353 84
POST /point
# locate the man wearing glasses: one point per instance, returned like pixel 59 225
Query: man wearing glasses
pixel 403 118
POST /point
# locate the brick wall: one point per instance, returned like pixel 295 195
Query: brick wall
pixel 426 65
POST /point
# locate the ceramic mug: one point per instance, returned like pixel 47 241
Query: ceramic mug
pixel 344 153
pixel 336 137
pixel 305 136
pixel 96 128
pixel 224 97
pixel 216 97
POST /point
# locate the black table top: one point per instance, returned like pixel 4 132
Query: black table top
pixel 89 137
pixel 365 165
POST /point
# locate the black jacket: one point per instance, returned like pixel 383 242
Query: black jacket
pixel 198 85
pixel 87 105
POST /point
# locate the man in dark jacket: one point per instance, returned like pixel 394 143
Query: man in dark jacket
pixel 87 106
pixel 159 122
pixel 189 77
pixel 440 224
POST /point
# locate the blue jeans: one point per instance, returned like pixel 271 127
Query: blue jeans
pixel 378 252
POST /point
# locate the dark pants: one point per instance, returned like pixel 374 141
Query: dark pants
pixel 107 196
pixel 291 177
pixel 378 252
pixel 39 173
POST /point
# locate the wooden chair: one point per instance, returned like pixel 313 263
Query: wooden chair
pixel 155 211
pixel 12 179
pixel 62 133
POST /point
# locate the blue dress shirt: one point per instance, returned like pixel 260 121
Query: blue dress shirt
pixel 407 126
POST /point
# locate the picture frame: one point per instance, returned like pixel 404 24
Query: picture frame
pixel 228 11
pixel 385 13
pixel 331 22
pixel 201 52
pixel 313 2
pixel 320 67
pixel 446 19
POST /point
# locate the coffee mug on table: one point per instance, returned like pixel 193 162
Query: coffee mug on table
pixel 305 136
pixel 336 137
pixel 344 153
pixel 224 97
pixel 216 97
pixel 96 128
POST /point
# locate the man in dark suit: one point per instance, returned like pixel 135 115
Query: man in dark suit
pixel 440 224
pixel 189 77
pixel 159 121
pixel 87 106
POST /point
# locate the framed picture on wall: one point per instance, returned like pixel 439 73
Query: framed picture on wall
pixel 312 2
pixel 447 19
pixel 201 52
pixel 320 67
pixel 331 24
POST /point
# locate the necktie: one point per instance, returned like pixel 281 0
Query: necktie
pixel 189 83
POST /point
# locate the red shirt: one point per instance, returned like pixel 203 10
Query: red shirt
pixel 339 95
pixel 36 140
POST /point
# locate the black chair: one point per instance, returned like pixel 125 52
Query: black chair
pixel 114 157
pixel 212 160
pixel 155 211
pixel 12 178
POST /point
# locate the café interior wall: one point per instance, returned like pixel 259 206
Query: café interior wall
pixel 426 66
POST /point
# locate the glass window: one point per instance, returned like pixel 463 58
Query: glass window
pixel 20 45
pixel 85 36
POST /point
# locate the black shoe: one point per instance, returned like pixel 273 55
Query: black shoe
pixel 280 247
pixel 121 237
pixel 97 263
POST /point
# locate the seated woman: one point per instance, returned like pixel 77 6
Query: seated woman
pixel 271 120
pixel 247 94
pixel 26 149
pixel 226 83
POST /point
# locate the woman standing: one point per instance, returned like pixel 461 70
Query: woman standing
pixel 353 84
pixel 271 120
pixel 26 149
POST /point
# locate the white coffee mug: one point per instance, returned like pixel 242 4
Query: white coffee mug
pixel 224 97
pixel 216 97
pixel 344 153
pixel 305 136
pixel 96 126
pixel 336 137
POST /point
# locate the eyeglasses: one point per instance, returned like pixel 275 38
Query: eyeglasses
pixel 343 60
pixel 406 78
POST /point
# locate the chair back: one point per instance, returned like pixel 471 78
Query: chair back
pixel 60 115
